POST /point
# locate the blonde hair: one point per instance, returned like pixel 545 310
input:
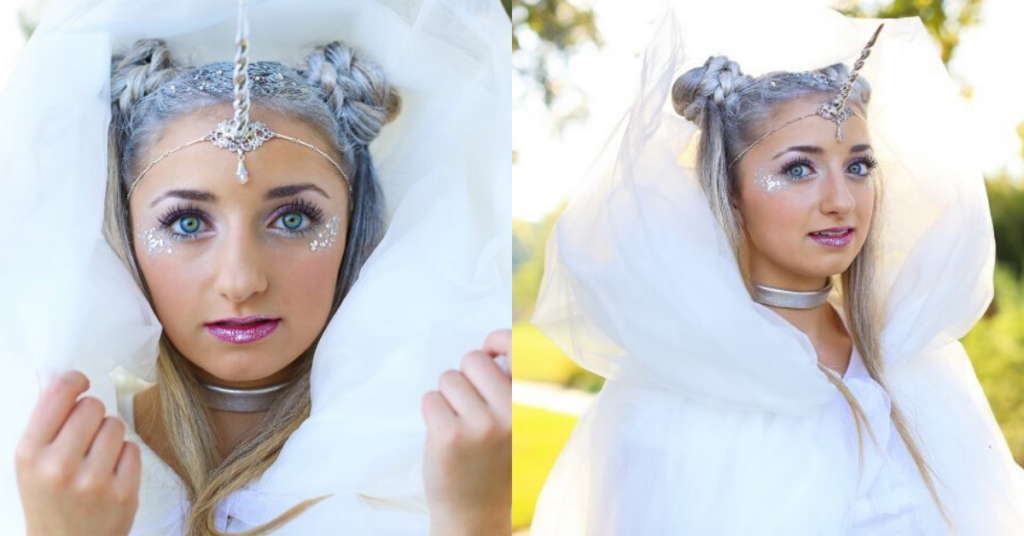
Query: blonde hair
pixel 348 100
pixel 731 109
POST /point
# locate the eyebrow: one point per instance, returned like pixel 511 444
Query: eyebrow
pixel 274 193
pixel 292 189
pixel 811 149
pixel 191 195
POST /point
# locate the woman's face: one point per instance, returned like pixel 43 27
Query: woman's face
pixel 806 199
pixel 213 250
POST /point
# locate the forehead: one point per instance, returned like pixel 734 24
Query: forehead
pixel 810 131
pixel 206 167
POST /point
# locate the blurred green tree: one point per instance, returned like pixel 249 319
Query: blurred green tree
pixel 945 19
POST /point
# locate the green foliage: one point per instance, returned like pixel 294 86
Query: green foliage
pixel 944 19
pixel 996 347
pixel 1007 203
pixel 545 32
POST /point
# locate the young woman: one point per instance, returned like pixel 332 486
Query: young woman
pixel 744 396
pixel 289 393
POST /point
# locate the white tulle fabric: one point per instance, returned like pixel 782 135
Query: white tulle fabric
pixel 436 285
pixel 715 418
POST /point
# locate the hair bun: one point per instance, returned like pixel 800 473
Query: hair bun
pixel 140 71
pixel 355 87
pixel 713 83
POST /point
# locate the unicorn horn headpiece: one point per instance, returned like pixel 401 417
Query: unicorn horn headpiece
pixel 238 134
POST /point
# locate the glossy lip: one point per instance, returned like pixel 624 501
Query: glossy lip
pixel 834 241
pixel 243 330
pixel 239 321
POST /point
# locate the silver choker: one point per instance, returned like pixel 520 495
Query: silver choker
pixel 791 299
pixel 241 400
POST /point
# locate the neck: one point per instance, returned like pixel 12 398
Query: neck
pixel 232 427
pixel 816 321
pixel 235 412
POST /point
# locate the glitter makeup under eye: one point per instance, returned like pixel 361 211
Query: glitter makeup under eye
pixel 769 181
pixel 327 235
pixel 156 241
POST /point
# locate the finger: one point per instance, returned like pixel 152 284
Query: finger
pixel 128 470
pixel 101 459
pixel 499 342
pixel 489 380
pixel 77 434
pixel 436 411
pixel 52 409
pixel 462 396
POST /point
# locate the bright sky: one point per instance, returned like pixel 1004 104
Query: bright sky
pixel 990 58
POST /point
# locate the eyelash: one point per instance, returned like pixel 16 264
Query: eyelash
pixel 301 206
pixel 868 161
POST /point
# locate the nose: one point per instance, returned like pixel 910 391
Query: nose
pixel 836 197
pixel 240 273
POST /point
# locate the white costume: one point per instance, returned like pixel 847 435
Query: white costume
pixel 436 285
pixel 715 419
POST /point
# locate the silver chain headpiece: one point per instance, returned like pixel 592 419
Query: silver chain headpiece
pixel 836 109
pixel 239 134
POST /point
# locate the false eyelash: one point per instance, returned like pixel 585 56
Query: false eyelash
pixel 172 214
pixel 177 212
pixel 797 161
pixel 310 209
pixel 868 161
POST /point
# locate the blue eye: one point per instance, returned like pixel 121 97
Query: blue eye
pixel 189 224
pixel 298 218
pixel 798 170
pixel 183 223
pixel 293 221
pixel 862 168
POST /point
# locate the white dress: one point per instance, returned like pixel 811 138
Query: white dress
pixel 645 470
pixel 163 504
pixel 893 499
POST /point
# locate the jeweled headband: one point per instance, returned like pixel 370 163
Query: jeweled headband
pixel 238 134
pixel 834 110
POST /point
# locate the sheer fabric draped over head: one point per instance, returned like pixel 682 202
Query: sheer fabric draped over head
pixel 67 302
pixel 715 404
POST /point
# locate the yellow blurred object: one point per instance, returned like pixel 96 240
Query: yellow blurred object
pixel 538 436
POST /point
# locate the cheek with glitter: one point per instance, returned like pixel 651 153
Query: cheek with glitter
pixel 770 182
pixel 156 241
pixel 327 235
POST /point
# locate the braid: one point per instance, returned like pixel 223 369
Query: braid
pixel 139 72
pixel 716 83
pixel 356 90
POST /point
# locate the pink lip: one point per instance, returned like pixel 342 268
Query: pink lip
pixel 836 241
pixel 243 330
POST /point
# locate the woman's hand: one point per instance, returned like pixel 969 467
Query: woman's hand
pixel 468 458
pixel 76 473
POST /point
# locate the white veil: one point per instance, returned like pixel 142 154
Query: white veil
pixel 437 284
pixel 714 417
